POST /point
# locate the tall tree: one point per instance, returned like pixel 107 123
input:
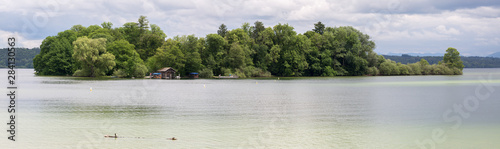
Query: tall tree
pixel 214 53
pixel 107 25
pixel 190 46
pixel 131 32
pixel 258 27
pixel 452 59
pixel 319 28
pixel 222 30
pixel 242 38
pixel 235 57
pixel 143 24
pixel 91 57
pixel 247 28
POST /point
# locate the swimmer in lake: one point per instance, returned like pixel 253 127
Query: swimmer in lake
pixel 173 138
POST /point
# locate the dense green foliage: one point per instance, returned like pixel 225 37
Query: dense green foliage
pixel 91 57
pixel 389 67
pixel 249 51
pixel 128 61
pixel 468 61
pixel 132 44
pixel 56 53
pixel 452 59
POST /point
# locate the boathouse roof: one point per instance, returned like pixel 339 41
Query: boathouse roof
pixel 166 69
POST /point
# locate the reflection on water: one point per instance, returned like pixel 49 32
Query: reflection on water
pixel 339 112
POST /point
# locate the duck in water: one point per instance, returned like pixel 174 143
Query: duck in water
pixel 115 136
pixel 107 136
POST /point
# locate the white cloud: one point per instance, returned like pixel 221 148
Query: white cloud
pixel 313 11
pixel 435 24
pixel 480 12
pixel 450 31
pixel 488 41
pixel 20 40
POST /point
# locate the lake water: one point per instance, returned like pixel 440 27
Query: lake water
pixel 339 112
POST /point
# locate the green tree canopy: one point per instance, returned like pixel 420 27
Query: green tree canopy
pixel 55 56
pixel 214 52
pixel 91 57
pixel 452 59
pixel 258 28
pixel 127 60
pixel 246 51
pixel 319 28
pixel 191 46
pixel 169 55
pixel 222 30
pixel 143 24
pixel 107 25
pixel 156 30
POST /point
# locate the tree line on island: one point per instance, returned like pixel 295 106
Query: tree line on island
pixel 24 59
pixel 137 49
pixel 468 61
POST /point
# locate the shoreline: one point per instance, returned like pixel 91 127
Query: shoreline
pixel 215 77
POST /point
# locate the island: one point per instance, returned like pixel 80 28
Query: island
pixel 137 49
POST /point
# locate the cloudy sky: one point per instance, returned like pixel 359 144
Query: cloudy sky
pixel 396 26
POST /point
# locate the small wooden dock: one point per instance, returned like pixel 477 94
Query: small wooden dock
pixel 227 77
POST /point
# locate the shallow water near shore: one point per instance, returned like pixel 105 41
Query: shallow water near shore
pixel 336 112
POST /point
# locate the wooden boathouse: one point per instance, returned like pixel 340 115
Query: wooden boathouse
pixel 167 73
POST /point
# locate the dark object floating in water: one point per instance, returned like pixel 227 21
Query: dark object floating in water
pixel 106 136
pixel 115 136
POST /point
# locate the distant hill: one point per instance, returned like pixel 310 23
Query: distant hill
pixel 24 57
pixel 415 54
pixel 469 61
pixel 497 54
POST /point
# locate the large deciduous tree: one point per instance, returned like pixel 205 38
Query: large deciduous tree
pixel 55 56
pixel 214 52
pixel 128 62
pixel 191 46
pixel 169 55
pixel 91 57
pixel 452 59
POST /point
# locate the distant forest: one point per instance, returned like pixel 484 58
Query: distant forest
pixel 468 61
pixel 24 57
